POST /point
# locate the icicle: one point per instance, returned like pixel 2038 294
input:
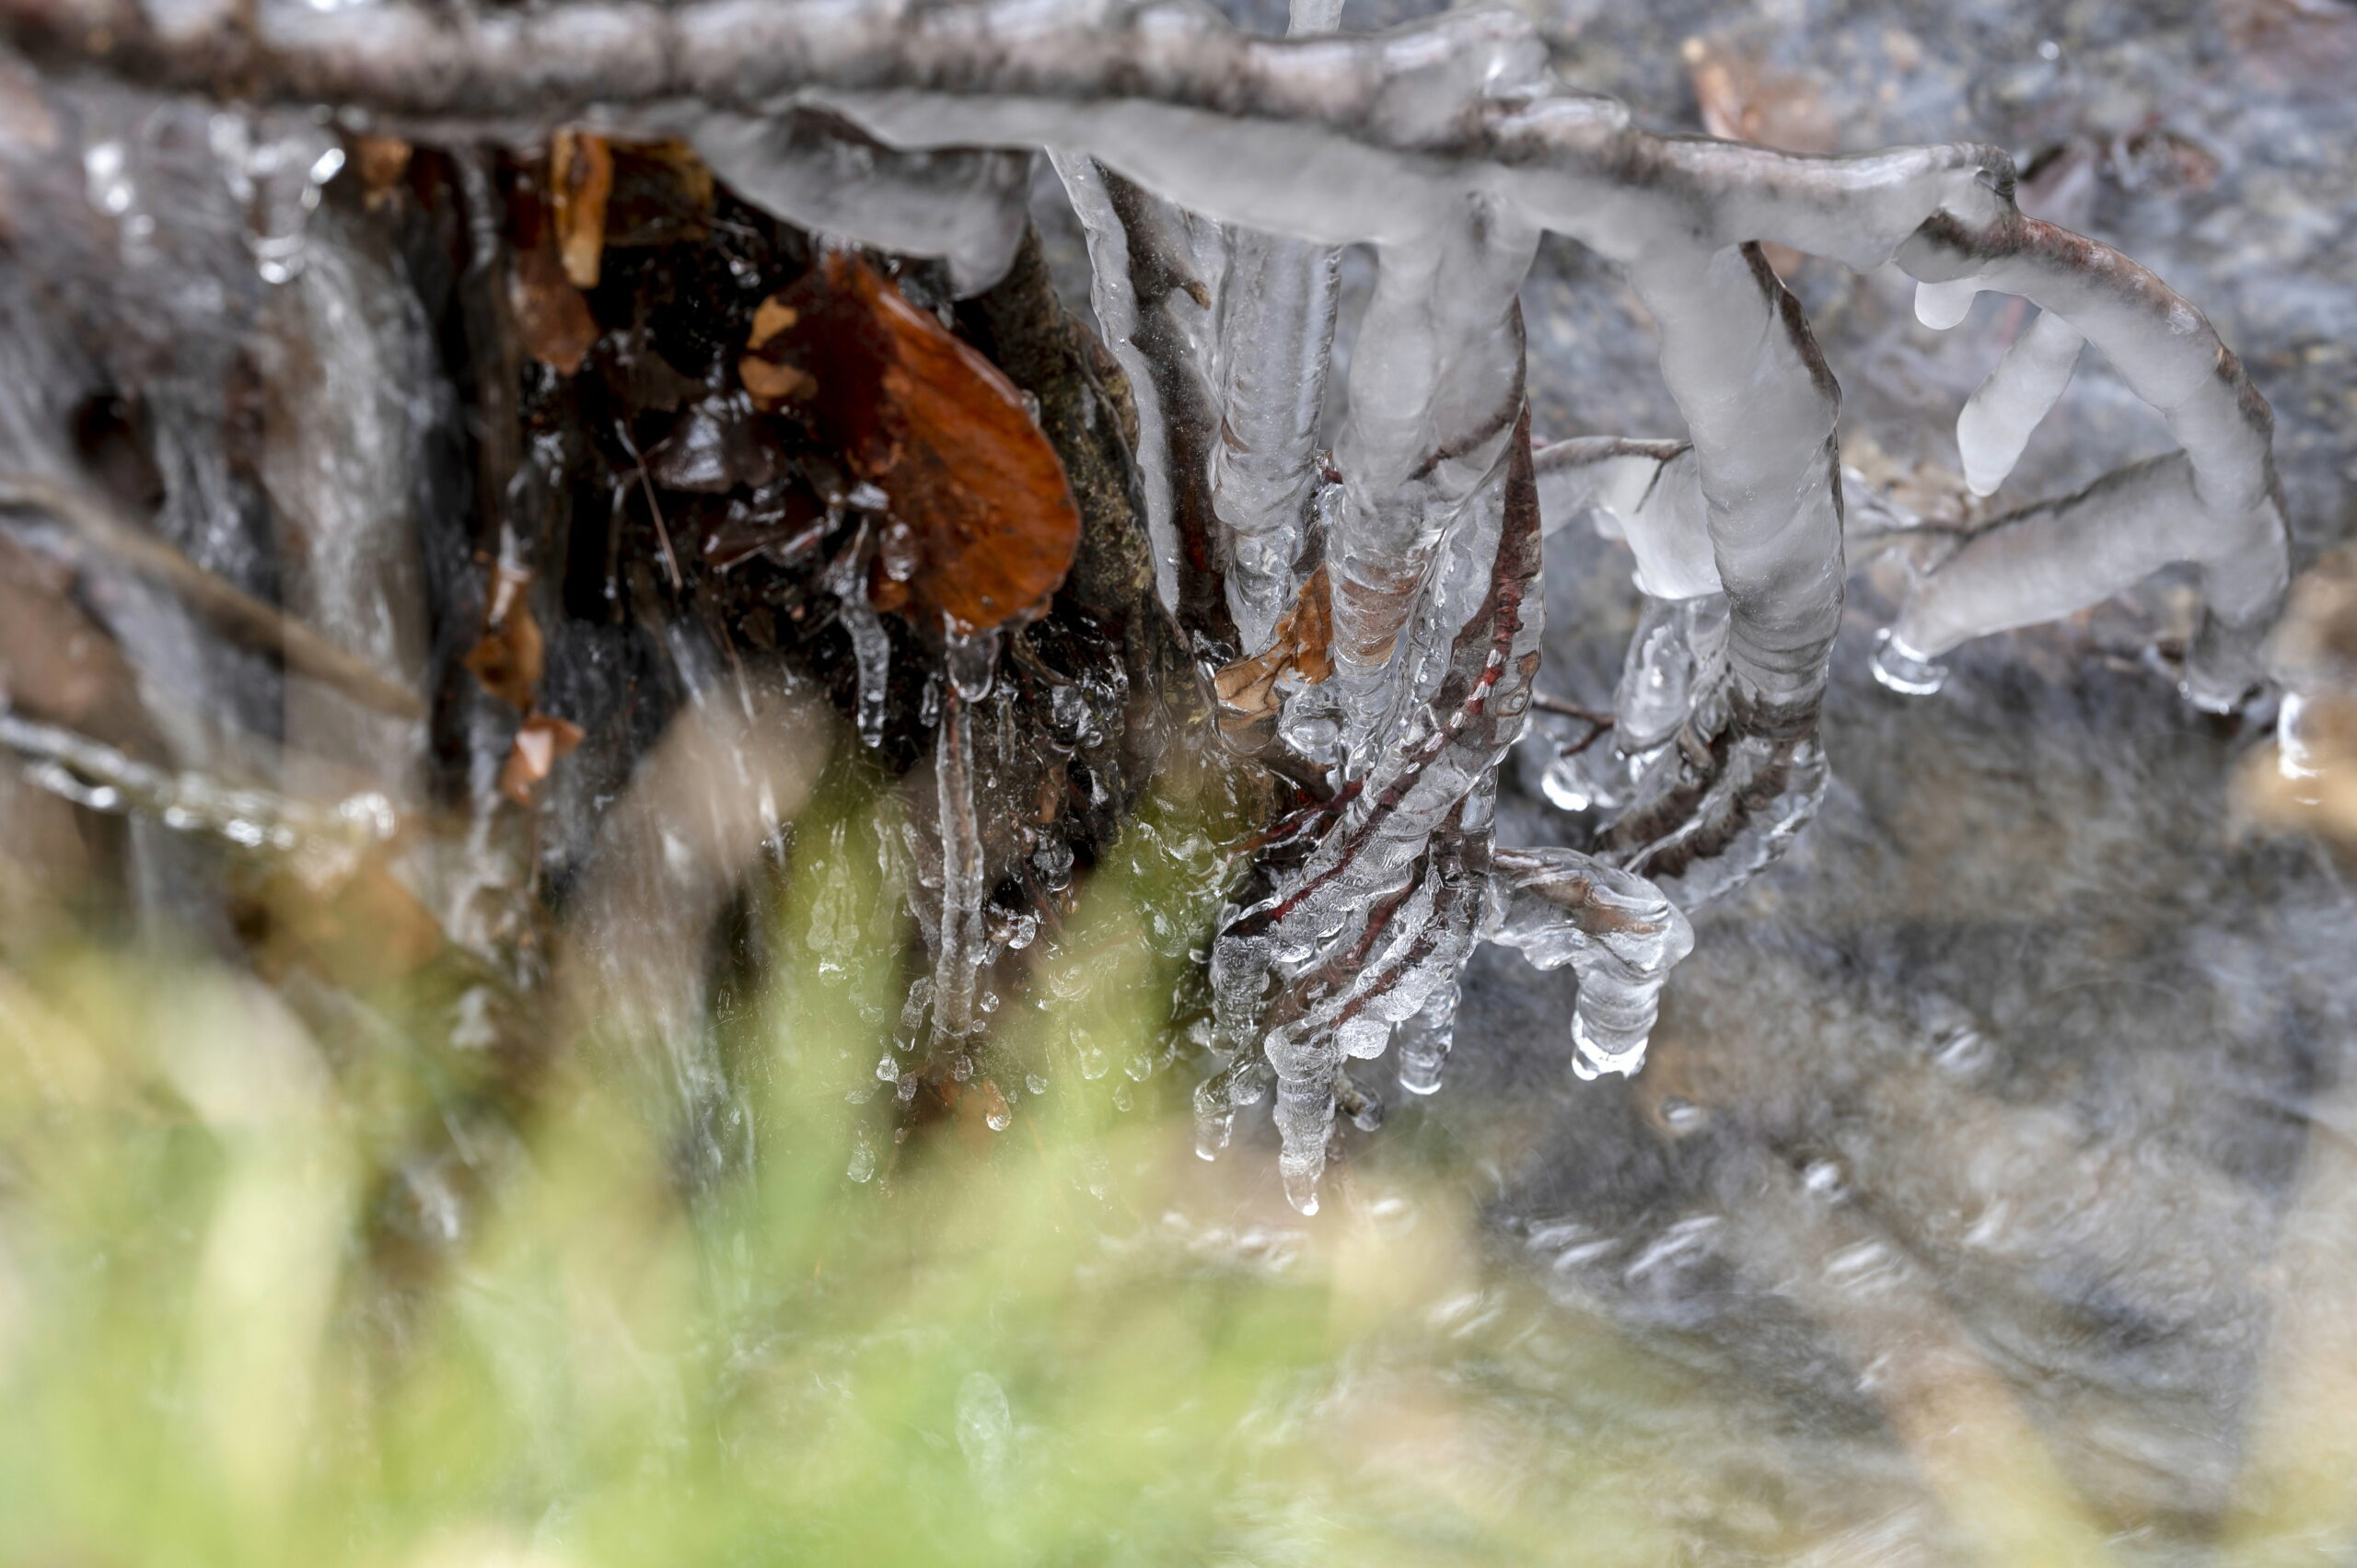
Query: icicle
pixel 1941 305
pixel 1241 1083
pixel 1275 335
pixel 1425 1039
pixel 962 946
pixel 2027 384
pixel 1273 343
pixel 1147 264
pixel 1436 384
pixel 871 647
pixel 1307 1063
pixel 1620 933
pixel 1678 652
pixel 1647 493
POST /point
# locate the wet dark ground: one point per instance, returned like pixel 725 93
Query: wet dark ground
pixel 1983 1113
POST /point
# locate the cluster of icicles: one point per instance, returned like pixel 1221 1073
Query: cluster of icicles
pixel 1216 175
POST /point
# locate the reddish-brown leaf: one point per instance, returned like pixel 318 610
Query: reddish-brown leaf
pixel 539 741
pixel 1301 645
pixel 383 163
pixel 581 176
pixel 507 657
pixel 551 316
pixel 983 524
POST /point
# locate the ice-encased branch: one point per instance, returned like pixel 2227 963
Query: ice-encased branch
pixel 1396 134
pixel 2222 508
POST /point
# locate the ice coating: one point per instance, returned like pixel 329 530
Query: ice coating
pixel 1275 331
pixel 1278 326
pixel 2027 382
pixel 1618 933
pixel 2055 557
pixel 1158 312
pixel 1211 172
pixel 1648 493
pixel 2226 513
pixel 965 205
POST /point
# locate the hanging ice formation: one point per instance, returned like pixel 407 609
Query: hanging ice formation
pixel 1216 175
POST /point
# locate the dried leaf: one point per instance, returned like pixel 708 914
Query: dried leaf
pixel 581 176
pixel 983 524
pixel 1745 99
pixel 365 931
pixel 661 194
pixel 1301 647
pixel 382 163
pixel 539 741
pixel 508 657
pixel 551 316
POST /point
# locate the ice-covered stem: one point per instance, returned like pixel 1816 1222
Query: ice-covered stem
pixel 1404 958
pixel 1761 407
pixel 1156 312
pixel 327 841
pixel 1382 916
pixel 1476 715
pixel 1435 389
pixel 1621 934
pixel 2223 509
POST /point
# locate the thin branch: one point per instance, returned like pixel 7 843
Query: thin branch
pixel 230 610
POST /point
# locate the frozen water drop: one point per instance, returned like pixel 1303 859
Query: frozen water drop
pixel 1904 670
pixel 1942 305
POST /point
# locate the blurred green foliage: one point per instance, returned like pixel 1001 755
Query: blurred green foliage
pixel 967 1344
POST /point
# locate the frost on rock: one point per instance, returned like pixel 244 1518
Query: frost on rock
pixel 1385 611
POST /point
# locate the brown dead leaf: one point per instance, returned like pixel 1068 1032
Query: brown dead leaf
pixel 382 163
pixel 508 656
pixel 581 176
pixel 1301 647
pixel 365 930
pixel 539 741
pixel 1743 98
pixel 982 525
pixel 551 316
